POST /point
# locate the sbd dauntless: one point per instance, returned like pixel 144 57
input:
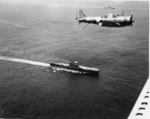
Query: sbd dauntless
pixel 109 20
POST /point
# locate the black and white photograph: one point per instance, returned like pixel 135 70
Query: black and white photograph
pixel 74 59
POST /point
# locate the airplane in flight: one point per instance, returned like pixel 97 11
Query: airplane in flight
pixel 110 20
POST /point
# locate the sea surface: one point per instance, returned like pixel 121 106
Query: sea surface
pixel 49 33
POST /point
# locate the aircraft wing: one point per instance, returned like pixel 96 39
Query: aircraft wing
pixel 110 23
pixel 141 109
pixel 88 20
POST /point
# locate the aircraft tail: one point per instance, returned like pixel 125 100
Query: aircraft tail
pixel 80 14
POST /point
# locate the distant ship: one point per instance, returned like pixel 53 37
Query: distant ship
pixel 74 68
pixel 109 7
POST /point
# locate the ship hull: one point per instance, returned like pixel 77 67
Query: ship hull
pixel 79 70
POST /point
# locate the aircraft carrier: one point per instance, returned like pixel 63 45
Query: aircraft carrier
pixel 74 68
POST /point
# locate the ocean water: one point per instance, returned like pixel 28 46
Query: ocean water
pixel 50 34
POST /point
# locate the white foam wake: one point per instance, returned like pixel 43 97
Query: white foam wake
pixel 24 61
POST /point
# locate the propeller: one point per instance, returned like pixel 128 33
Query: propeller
pixel 131 19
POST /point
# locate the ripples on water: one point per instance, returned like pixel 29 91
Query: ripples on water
pixel 36 92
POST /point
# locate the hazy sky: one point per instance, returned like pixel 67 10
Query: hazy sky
pixel 54 1
pixel 48 2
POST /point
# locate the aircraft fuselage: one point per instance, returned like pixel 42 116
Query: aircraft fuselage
pixel 109 20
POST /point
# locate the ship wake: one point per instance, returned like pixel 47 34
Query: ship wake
pixel 25 61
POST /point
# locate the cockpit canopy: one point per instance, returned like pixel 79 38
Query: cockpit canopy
pixel 111 16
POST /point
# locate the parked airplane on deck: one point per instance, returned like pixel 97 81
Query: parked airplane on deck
pixel 109 20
